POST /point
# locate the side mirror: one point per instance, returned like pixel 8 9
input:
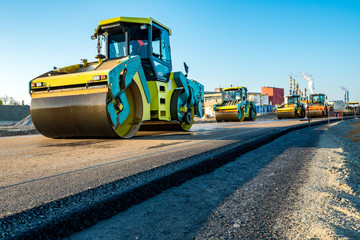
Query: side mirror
pixel 186 69
pixel 100 56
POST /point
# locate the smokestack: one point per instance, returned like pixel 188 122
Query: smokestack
pixel 294 86
pixel 304 93
pixel 346 96
pixel 297 89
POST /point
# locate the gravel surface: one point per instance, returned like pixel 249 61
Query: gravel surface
pixel 23 127
pixel 299 186
pixel 329 203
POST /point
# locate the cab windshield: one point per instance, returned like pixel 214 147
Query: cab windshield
pixel 115 44
pixel 317 99
pixel 232 95
pixel 292 100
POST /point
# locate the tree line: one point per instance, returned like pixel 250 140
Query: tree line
pixel 6 100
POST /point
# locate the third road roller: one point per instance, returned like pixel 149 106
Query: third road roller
pixel 317 106
pixel 131 85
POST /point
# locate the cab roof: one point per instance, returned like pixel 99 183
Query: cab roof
pixel 292 95
pixel 130 20
pixel 232 88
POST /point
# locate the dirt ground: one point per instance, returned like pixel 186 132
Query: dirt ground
pixel 301 186
pixel 354 133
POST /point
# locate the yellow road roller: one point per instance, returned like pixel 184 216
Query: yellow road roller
pixel 235 106
pixel 131 85
pixel 316 107
pixel 291 108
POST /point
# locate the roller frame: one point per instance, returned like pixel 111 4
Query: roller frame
pixel 125 100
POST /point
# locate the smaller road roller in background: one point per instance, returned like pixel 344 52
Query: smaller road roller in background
pixel 235 106
pixel 291 108
pixel 316 107
pixel 129 86
pixel 352 108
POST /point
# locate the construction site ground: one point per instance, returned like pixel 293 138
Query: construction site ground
pixel 301 186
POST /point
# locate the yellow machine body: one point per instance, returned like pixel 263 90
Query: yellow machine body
pixel 119 93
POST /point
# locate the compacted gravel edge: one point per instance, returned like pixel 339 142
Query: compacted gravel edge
pixel 62 217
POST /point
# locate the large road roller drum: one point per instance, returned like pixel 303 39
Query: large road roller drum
pixel 289 112
pixel 315 113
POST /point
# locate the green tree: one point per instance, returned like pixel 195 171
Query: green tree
pixel 5 99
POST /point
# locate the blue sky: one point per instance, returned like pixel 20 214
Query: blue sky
pixel 251 43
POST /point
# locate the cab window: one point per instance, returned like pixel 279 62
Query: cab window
pixel 117 45
pixel 102 45
pixel 156 42
pixel 161 52
pixel 165 46
pixel 244 94
pixel 138 42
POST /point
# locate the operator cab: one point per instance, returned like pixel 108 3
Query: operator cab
pixel 235 94
pixel 317 99
pixel 294 99
pixel 150 41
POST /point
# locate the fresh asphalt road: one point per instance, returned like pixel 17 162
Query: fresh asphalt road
pixel 35 170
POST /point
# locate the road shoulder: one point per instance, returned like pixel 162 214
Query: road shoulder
pixel 329 204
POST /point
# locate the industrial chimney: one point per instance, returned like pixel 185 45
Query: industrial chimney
pixel 346 96
pixel 304 93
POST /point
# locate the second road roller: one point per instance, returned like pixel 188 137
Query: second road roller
pixel 129 86
pixel 235 106
pixel 291 108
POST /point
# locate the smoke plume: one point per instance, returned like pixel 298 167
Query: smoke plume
pixel 309 80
